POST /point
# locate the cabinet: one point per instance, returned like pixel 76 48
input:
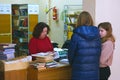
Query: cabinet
pixel 5 23
pixel 17 23
pixel 24 18
pixel 20 27
pixel 71 13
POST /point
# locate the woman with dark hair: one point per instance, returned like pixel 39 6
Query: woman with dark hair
pixel 40 42
pixel 84 49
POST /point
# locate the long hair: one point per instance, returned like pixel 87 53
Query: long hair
pixel 108 27
pixel 39 28
pixel 84 18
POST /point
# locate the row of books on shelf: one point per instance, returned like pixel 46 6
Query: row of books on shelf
pixel 40 65
pixel 22 12
pixel 22 22
pixel 20 33
pixel 70 20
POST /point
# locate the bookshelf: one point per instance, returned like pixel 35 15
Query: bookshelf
pixel 24 18
pixel 71 13
pixel 17 22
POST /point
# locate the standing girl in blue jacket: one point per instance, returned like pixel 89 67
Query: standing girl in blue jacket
pixel 85 48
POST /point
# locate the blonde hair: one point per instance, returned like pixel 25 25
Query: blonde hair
pixel 108 27
pixel 84 18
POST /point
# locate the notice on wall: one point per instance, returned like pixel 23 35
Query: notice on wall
pixel 5 8
pixel 33 9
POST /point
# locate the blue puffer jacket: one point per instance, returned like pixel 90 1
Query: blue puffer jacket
pixel 84 53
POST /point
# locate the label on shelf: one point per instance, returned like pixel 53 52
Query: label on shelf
pixel 5 9
pixel 33 9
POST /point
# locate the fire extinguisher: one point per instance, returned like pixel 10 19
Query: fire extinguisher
pixel 55 13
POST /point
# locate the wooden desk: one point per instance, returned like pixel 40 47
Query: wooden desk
pixel 58 73
pixel 13 71
pixel 14 75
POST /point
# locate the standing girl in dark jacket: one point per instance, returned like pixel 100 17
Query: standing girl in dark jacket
pixel 84 50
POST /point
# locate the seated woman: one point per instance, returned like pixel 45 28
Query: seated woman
pixel 40 42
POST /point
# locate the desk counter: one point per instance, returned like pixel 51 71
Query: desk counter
pixel 57 73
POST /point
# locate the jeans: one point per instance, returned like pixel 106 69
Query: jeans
pixel 105 73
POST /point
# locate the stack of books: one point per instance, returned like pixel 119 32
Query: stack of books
pixel 38 65
pixel 7 51
pixel 51 64
pixel 43 57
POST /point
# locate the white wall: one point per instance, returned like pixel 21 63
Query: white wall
pixel 89 5
pixel 108 10
pixel 18 1
pixel 57 28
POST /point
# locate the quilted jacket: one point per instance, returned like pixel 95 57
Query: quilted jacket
pixel 84 53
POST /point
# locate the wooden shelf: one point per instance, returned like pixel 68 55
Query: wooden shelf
pixel 70 19
pixel 72 15
pixel 22 24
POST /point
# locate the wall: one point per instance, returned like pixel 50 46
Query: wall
pixel 38 2
pixel 41 3
pixel 89 6
pixel 108 10
pixel 19 2
pixel 57 28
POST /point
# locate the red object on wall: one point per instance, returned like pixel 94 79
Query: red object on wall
pixel 55 13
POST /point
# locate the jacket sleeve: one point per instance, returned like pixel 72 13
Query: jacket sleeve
pixel 72 49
